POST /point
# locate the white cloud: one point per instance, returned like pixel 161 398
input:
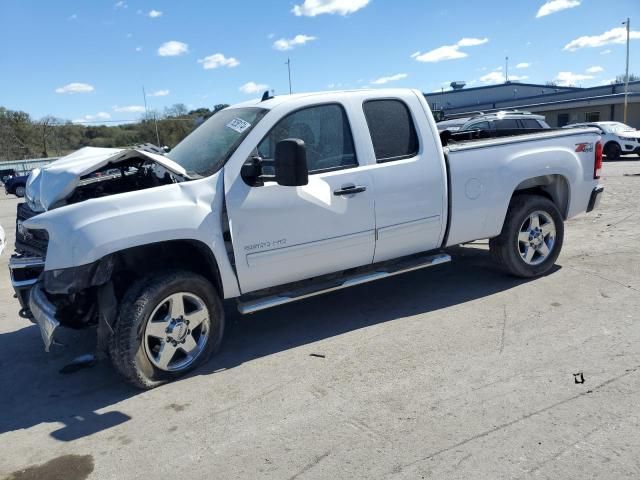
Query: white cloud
pixel 568 79
pixel 493 77
pixel 448 52
pixel 392 78
pixel 129 35
pixel 523 65
pixel 218 60
pixel 173 48
pixel 605 52
pixel 121 4
pixel 93 118
pixel 73 17
pixel 471 42
pixel 311 8
pixel 553 6
pixel 497 76
pixel 138 49
pixel 75 87
pixel 154 14
pixel 253 87
pixel 615 35
pixel 289 43
pixel 129 109
pixel 158 93
pixel 595 69
pixel 608 81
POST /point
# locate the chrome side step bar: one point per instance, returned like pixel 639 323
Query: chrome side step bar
pixel 365 275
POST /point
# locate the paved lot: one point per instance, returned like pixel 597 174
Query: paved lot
pixel 453 372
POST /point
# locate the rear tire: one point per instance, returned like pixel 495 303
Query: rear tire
pixel 531 237
pixel 612 151
pixel 167 325
pixel 20 191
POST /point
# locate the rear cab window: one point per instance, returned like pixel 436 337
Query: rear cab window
pixel 392 130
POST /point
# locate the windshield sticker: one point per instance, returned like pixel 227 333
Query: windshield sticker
pixel 238 125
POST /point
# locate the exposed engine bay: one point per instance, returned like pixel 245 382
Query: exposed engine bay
pixel 125 176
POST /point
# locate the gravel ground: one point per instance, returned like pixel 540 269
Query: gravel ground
pixel 452 372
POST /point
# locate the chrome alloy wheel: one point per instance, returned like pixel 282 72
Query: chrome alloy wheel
pixel 536 238
pixel 177 331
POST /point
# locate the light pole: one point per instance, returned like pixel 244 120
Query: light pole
pixel 146 113
pixel 506 69
pixel 288 63
pixel 626 75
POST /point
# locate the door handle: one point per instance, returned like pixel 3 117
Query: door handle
pixel 350 190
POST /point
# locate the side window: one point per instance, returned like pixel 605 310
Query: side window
pixel 391 128
pixel 506 124
pixel 592 116
pixel 530 123
pixel 326 133
pixel 478 126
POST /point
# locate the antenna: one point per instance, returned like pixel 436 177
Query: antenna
pixel 146 113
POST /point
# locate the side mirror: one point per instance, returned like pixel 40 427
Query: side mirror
pixel 291 163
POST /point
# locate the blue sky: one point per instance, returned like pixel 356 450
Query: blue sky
pixel 80 59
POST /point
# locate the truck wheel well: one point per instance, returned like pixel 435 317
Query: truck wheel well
pixel 191 255
pixel 553 187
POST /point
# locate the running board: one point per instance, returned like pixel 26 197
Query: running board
pixel 369 274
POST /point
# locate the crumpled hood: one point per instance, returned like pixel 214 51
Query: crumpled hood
pixel 56 181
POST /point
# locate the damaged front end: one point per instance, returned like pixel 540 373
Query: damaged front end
pixel 83 295
pixel 71 297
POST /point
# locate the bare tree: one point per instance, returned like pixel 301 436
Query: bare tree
pixel 45 129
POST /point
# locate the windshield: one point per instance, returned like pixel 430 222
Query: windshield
pixel 208 147
pixel 616 128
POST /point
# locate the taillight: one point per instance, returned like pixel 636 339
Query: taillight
pixel 597 165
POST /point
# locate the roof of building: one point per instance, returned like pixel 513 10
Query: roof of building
pixel 498 85
pixel 459 104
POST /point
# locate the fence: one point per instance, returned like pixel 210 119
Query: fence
pixel 25 166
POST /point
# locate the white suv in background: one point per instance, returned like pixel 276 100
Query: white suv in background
pixel 618 138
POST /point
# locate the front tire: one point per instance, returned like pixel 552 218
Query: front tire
pixel 20 191
pixel 531 238
pixel 167 325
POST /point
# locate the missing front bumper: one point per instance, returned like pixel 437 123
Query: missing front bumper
pixel 25 272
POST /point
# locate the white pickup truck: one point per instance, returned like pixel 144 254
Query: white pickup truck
pixel 272 201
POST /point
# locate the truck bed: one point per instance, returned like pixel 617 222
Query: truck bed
pixel 478 139
pixel 485 172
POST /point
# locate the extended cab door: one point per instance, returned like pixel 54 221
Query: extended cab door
pixel 409 177
pixel 284 234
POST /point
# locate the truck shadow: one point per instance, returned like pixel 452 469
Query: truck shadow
pixel 35 392
pixel 471 275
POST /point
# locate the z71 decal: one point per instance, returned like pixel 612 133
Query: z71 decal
pixel 584 147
